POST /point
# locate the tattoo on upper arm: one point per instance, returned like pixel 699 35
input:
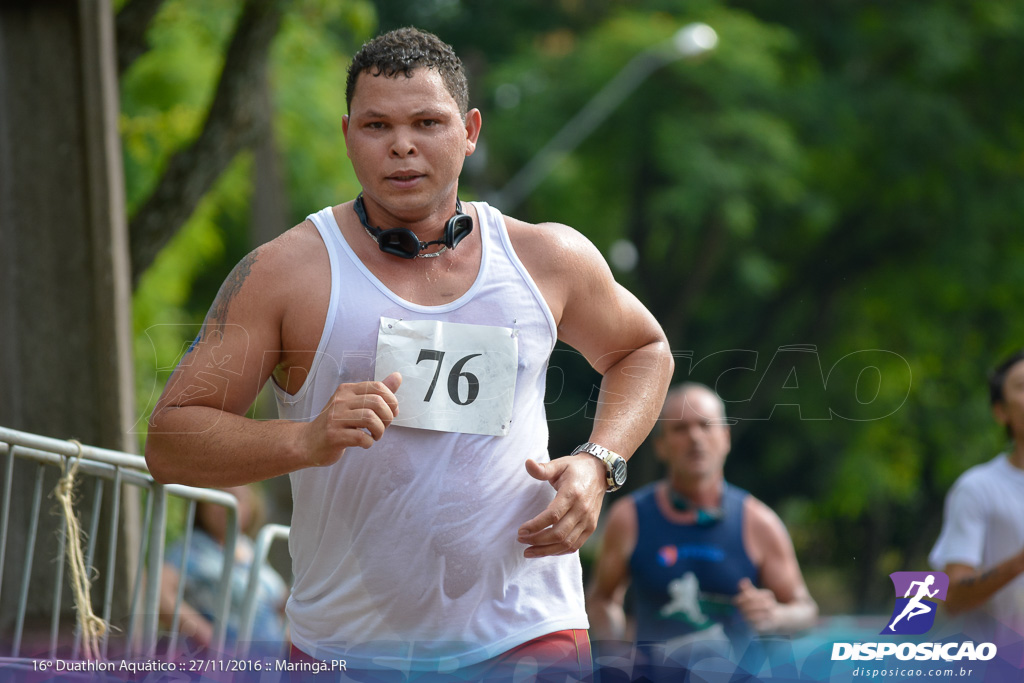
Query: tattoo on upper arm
pixel 218 314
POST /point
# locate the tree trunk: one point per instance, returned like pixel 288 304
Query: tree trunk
pixel 235 122
pixel 65 347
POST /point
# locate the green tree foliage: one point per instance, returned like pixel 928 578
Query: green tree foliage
pixel 825 211
pixel 165 96
pixel 843 178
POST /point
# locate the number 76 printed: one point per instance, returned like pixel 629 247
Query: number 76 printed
pixel 456 377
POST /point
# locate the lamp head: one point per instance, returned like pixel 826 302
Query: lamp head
pixel 695 39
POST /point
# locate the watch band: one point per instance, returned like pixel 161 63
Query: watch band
pixel 614 464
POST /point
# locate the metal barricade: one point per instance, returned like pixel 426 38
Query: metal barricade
pixel 109 478
pixel 266 537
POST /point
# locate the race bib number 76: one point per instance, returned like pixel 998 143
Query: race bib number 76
pixel 455 377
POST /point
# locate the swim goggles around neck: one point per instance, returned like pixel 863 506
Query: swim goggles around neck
pixel 703 516
pixel 404 243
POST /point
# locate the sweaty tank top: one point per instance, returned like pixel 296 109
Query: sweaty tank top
pixel 684 576
pixel 405 554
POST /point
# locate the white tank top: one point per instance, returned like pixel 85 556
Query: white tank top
pixel 406 554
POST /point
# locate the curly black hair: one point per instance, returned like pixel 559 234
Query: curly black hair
pixel 401 51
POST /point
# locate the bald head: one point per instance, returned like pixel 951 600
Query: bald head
pixel 693 437
pixel 692 397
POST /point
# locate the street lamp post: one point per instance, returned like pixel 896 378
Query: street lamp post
pixel 690 41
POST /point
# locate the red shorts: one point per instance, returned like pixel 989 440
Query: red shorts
pixel 565 651
pixel 562 652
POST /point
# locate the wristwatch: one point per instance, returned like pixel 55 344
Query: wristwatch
pixel 614 463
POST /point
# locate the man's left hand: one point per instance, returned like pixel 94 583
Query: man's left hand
pixel 570 519
pixel 758 606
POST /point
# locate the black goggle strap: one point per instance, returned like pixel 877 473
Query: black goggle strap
pixel 457 237
pixel 360 210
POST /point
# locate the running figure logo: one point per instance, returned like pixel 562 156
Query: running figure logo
pixel 685 602
pixel 914 613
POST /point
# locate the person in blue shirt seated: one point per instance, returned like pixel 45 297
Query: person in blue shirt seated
pixel 205 563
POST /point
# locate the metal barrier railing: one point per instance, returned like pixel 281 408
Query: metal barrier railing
pixel 266 537
pixel 113 476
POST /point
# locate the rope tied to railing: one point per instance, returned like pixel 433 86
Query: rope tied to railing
pixel 92 627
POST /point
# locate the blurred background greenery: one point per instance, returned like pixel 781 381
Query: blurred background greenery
pixel 824 213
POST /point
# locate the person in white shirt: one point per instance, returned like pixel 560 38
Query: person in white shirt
pixel 981 545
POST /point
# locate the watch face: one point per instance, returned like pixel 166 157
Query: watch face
pixel 619 472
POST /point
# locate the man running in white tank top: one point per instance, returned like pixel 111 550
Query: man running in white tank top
pixel 414 430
